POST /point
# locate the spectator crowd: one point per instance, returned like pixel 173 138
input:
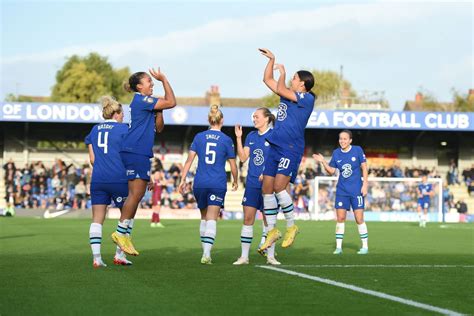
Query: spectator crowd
pixel 68 186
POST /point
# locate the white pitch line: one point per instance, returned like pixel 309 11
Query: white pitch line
pixel 365 291
pixel 376 266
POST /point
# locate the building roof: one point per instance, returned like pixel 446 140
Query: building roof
pixel 233 102
pixel 419 106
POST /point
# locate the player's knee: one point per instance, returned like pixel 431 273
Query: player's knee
pixel 135 196
pixel 249 220
pixel 279 187
pixel 267 188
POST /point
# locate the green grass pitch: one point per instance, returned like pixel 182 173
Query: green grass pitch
pixel 46 269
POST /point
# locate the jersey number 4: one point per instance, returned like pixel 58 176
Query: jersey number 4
pixel 210 153
pixel 103 144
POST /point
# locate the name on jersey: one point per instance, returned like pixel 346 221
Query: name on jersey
pixel 212 136
pixel 105 126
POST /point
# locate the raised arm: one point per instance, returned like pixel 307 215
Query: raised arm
pixel 233 170
pixel 319 158
pixel 169 100
pixel 242 152
pixel 268 73
pixel 187 165
pixel 282 89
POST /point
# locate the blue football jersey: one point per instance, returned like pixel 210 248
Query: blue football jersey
pixel 291 121
pixel 213 148
pixel 425 188
pixel 258 146
pixel 106 139
pixel 141 130
pixel 350 173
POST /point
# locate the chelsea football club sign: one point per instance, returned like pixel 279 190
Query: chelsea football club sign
pixel 197 116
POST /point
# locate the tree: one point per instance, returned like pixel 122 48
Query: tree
pixel 430 103
pixel 79 85
pixel 463 103
pixel 17 98
pixel 85 79
pixel 328 86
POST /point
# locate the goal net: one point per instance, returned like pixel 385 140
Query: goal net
pixel 388 199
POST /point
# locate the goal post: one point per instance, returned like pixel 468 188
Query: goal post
pixel 388 199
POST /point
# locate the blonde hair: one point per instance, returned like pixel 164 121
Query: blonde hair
pixel 269 115
pixel 110 106
pixel 215 115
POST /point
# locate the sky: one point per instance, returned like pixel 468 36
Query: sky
pixel 395 47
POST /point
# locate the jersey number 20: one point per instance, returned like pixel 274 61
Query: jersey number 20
pixel 210 153
pixel 103 144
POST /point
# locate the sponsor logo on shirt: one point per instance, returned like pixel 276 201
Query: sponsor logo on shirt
pixel 258 159
pixel 281 115
pixel 346 170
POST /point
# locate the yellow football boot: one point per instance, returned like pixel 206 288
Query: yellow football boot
pixel 290 236
pixel 272 237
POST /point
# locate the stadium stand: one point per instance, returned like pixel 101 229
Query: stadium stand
pixel 397 144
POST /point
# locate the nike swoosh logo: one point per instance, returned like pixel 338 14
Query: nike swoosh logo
pixel 251 143
pixel 339 160
pixel 48 214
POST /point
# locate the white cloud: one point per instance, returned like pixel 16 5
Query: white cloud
pixel 233 30
pixel 383 46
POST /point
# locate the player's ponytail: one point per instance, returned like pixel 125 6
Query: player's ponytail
pixel 133 81
pixel 268 114
pixel 215 115
pixel 308 79
pixel 126 87
pixel 110 106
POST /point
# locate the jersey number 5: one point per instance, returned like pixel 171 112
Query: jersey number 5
pixel 103 144
pixel 210 153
